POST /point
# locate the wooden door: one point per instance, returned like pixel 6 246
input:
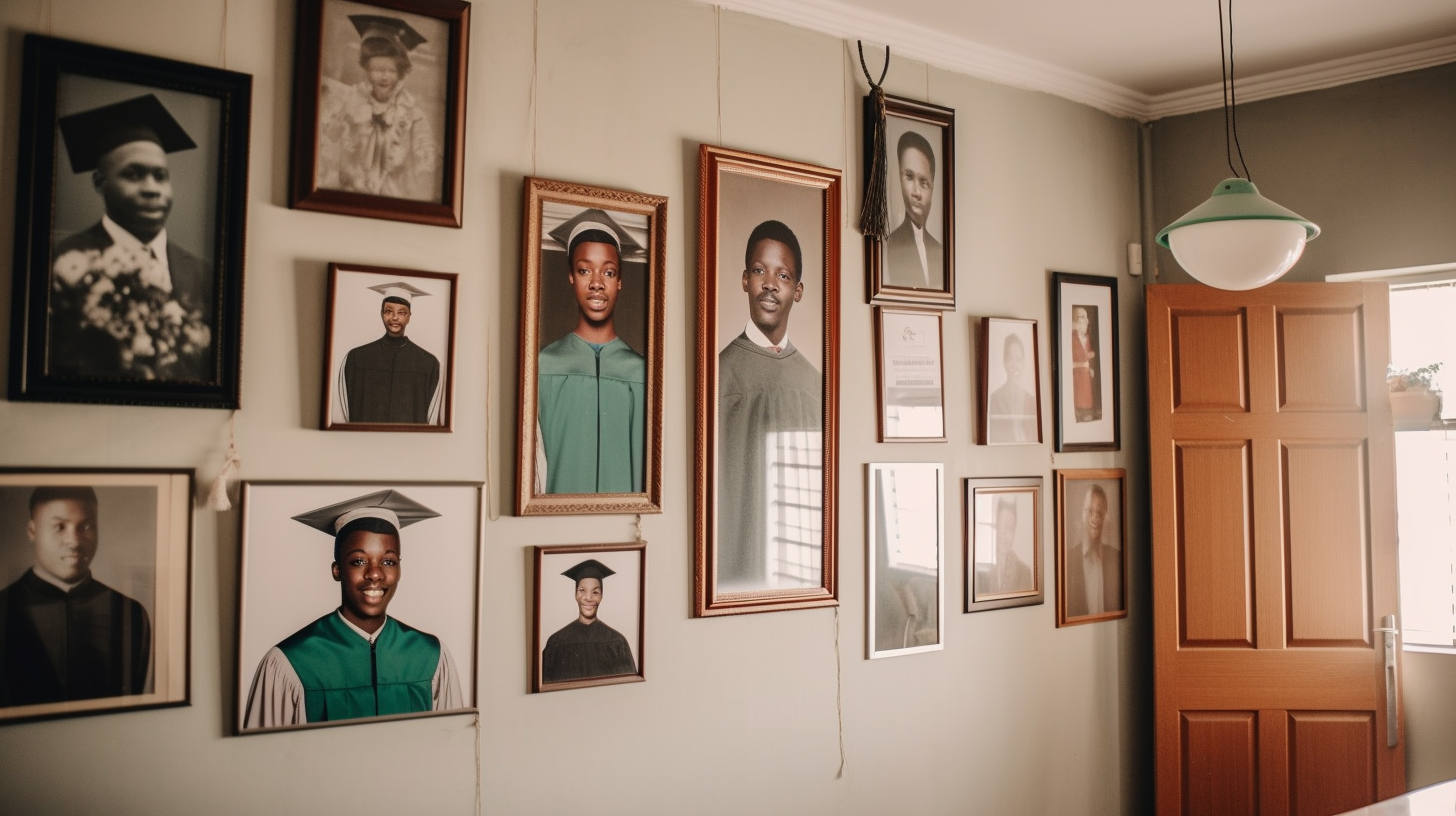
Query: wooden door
pixel 1273 487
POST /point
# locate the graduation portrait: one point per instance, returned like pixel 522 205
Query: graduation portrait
pixel 379 108
pixel 589 622
pixel 357 602
pixel 95 575
pixel 594 260
pixel 767 405
pixel 129 237
pixel 390 353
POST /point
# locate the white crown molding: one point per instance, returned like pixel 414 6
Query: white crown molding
pixel 973 59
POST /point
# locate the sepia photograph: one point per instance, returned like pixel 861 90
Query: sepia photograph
pixel 389 360
pixel 94 591
pixel 128 283
pixel 1091 543
pixel 379 114
pixel 915 264
pixel 333 627
pixel 579 588
pixel 906 558
pixel 591 350
pixel 1003 543
pixel 768 328
pixel 1009 385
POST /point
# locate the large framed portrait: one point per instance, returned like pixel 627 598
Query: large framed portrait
pixel 95 609
pixel 333 627
pixel 906 558
pixel 1009 385
pixel 578 589
pixel 390 360
pixel 911 375
pixel 379 109
pixel 131 194
pixel 1085 368
pixel 768 384
pixel 915 265
pixel 591 350
pixel 1091 545
pixel 1003 543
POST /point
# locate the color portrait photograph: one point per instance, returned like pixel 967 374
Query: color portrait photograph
pixel 357 603
pixel 1091 546
pixel 589 616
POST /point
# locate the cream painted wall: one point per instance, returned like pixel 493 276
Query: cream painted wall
pixel 738 715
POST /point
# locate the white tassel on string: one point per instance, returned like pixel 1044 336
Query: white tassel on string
pixel 217 497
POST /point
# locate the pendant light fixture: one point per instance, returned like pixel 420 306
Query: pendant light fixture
pixel 1237 239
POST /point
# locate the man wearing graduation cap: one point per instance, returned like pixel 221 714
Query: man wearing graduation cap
pixel 770 412
pixel 591 385
pixel 124 146
pixel 374 136
pixel 391 379
pixel 356 661
pixel 586 647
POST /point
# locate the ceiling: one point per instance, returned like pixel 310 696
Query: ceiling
pixel 1141 58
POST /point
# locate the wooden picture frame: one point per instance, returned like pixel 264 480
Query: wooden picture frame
pixel 402 374
pixel 1081 496
pixel 418 176
pixel 1085 367
pixel 289 603
pixel 123 540
pixel 565 465
pixel 1009 414
pixel 582 652
pixel 910 372
pixel 767 421
pixel 96 315
pixel 1003 564
pixel 905 558
pixel 894 272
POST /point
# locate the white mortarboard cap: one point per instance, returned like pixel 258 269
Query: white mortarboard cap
pixel 390 505
pixel 401 291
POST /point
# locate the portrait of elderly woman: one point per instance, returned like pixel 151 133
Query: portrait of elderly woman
pixel 380 114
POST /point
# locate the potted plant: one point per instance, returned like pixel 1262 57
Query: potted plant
pixel 1414 401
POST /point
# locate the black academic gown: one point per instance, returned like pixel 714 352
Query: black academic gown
pixel 390 380
pixel 579 650
pixel 54 645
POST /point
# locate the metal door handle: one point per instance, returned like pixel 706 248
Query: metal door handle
pixel 1392 723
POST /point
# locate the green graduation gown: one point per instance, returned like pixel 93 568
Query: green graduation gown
pixel 591 410
pixel 345 676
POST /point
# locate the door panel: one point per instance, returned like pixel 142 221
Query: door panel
pixel 1273 547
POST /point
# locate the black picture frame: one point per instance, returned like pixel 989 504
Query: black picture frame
pixel 1085 375
pixel 430 123
pixel 887 283
pixel 175 345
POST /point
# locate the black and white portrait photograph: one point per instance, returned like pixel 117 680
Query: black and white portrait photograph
pixel 357 602
pixel 590 615
pixel 1091 546
pixel 132 243
pixel 1003 546
pixel 1009 383
pixel 591 329
pixel 767 347
pixel 905 558
pixel 915 264
pixel 94 587
pixel 381 84
pixel 1084 323
pixel 391 340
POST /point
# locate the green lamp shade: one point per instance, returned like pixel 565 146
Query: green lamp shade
pixel 1238 239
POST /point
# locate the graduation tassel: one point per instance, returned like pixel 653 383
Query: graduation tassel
pixel 217 497
pixel 874 214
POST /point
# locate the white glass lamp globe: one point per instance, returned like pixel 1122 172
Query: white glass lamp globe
pixel 1238 239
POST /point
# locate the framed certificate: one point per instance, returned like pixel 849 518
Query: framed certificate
pixel 911 375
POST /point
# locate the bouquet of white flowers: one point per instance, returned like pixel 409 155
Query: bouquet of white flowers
pixel 128 295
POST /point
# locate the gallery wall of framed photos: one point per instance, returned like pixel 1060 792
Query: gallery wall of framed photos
pixel 757 696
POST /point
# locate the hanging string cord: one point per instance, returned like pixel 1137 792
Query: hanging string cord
pixel 839 696
pixel 1230 99
pixel 874 213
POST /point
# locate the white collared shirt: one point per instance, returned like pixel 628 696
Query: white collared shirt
pixel 761 340
pixel 360 632
pixel 157 246
pixel 919 234
pixel 56 582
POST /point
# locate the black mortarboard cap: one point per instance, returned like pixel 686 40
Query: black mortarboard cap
pixel 91 134
pixel 390 28
pixel 390 505
pixel 594 219
pixel 590 568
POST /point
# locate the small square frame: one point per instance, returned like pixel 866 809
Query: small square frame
pixel 555 602
pixel 1075 493
pixel 905 558
pixel 1011 413
pixel 1088 413
pixel 983 504
pixel 909 362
